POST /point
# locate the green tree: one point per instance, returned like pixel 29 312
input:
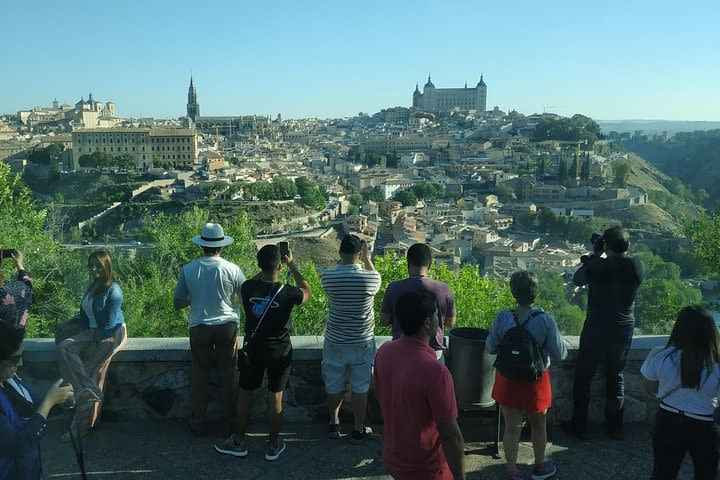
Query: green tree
pixel 505 193
pixel 283 189
pixel 125 161
pixel 262 190
pixel 621 171
pixel 356 199
pixel 579 230
pixel 406 197
pixel 39 157
pixel 658 302
pixel 704 232
pixel 543 163
pixel 54 150
pixel 310 194
pixel 372 193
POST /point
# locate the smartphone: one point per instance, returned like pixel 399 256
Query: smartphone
pixel 284 250
pixel 7 253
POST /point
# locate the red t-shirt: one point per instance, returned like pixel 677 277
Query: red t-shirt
pixel 416 393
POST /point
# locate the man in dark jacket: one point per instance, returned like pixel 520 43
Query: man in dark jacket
pixel 607 334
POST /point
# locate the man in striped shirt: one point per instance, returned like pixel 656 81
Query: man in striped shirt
pixel 349 347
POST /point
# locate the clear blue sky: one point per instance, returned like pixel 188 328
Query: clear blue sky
pixel 609 60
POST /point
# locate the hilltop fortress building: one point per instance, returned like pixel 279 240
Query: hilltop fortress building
pixel 439 99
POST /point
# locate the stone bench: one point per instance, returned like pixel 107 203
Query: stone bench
pixel 150 378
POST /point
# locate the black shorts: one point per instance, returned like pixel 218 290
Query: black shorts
pixel 276 359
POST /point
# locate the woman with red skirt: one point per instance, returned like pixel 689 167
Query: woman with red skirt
pixel 518 397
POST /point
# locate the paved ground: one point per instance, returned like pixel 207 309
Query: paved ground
pixel 165 450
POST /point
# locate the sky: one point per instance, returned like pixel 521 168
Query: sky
pixel 608 60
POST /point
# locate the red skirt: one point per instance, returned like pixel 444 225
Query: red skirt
pixel 530 397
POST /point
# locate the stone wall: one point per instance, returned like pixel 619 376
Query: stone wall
pixel 151 379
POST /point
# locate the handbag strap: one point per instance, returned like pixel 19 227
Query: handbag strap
pixel 670 392
pixel 267 309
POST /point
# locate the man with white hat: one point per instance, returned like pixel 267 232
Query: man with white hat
pixel 210 286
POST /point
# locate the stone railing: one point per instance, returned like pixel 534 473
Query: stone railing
pixel 150 378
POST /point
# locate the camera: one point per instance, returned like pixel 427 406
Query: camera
pixel 7 252
pixel 598 242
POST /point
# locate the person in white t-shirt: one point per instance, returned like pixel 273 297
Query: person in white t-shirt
pixel 685 377
pixel 210 286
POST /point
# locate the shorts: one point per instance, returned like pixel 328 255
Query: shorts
pixel 347 361
pixel 530 397
pixel 276 359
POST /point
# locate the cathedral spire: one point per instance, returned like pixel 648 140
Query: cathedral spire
pixel 193 108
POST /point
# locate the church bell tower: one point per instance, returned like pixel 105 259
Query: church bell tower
pixel 193 108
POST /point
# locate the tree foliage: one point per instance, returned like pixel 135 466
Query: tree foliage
pixel 406 197
pixel 621 171
pixel 44 156
pixel 577 128
pixel 372 193
pixel 705 234
pixel 310 194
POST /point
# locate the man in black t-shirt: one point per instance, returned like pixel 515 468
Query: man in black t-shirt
pixel 607 334
pixel 269 349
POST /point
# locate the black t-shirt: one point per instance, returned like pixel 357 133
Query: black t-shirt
pixel 614 282
pixel 276 325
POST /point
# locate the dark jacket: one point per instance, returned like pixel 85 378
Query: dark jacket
pixel 613 284
pixel 20 437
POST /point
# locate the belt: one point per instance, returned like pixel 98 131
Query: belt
pixel 696 416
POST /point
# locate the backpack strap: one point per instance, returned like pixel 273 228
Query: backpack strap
pixel 523 325
pixel 530 317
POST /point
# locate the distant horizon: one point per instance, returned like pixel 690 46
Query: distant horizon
pixel 332 60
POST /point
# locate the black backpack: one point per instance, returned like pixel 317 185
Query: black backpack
pixel 519 357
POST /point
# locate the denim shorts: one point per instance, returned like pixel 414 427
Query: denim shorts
pixel 343 362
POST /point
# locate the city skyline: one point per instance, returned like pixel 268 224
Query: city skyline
pixel 647 60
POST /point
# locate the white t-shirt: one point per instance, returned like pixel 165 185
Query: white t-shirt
pixel 663 365
pixel 209 283
pixel 87 306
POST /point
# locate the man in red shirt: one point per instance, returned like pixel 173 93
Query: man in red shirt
pixel 422 437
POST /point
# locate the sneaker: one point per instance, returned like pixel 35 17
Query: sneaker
pixel 273 452
pixel 357 437
pixel 573 429
pixel 334 431
pixel 229 447
pixel 516 475
pixel 546 470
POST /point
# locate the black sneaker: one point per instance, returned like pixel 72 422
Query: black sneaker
pixel 357 437
pixel 334 431
pixel 573 429
pixel 273 452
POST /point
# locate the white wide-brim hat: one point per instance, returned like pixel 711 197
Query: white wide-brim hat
pixel 212 235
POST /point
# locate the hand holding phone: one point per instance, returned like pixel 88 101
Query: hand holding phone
pixel 284 248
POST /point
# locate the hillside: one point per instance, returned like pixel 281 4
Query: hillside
pixel 666 211
pixel 694 158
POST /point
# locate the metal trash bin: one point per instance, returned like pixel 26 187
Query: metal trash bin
pixel 473 373
pixel 472 368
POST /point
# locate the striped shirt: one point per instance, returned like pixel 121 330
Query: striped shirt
pixel 351 293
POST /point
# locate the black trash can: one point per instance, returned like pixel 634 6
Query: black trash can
pixel 471 367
